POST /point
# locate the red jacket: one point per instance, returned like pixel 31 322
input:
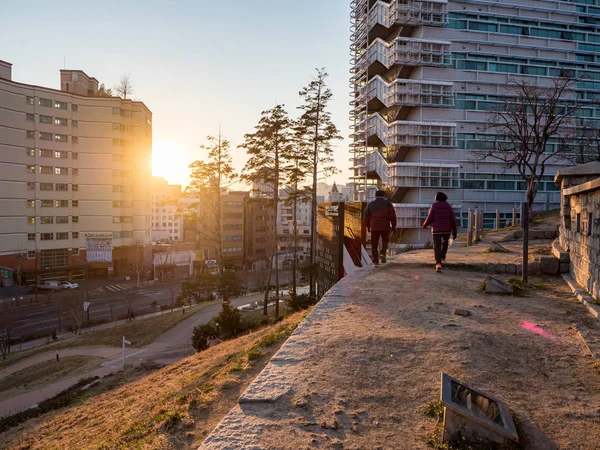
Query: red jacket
pixel 380 215
pixel 441 218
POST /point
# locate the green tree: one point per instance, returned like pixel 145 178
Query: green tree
pixel 103 91
pixel 267 147
pixel 318 131
pixel 209 178
pixel 229 320
pixel 199 288
pixel 204 331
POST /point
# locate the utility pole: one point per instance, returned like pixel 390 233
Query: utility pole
pixel 125 342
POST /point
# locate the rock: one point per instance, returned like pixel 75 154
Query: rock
pixel 462 312
pixel 494 286
pixel 549 265
pixel 496 247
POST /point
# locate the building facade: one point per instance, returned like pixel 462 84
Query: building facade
pixel 426 75
pixel 74 179
pixel 258 232
pixel 285 230
pixel 167 214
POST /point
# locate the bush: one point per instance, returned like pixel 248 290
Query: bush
pixel 230 320
pixel 300 302
pixel 203 332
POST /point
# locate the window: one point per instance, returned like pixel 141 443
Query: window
pixel 30 186
pixel 578 224
pixel 61 203
pixel 29 117
pixel 31 203
pixel 63 155
pixel 116 126
pixel 46 187
pixel 75 219
pixel 46 203
pixel 29 100
pixel 116 141
pixel 45 119
pixel 31 236
pixel 61 171
pixel 74 139
pixel 46 153
pixel 30 152
pixel 45 102
pixel 46 220
pixel 125 234
pixel 62 236
pixel 46 236
pixel 75 203
pixel 62 187
pixel 74 107
pixel 116 110
pixel 126 112
pixel 31 254
pixel 74 187
pixel 61 137
pixel 31 220
pixel 45 136
pixel 590 224
pixel 48 170
pixel 75 252
pixel 75 123
pixel 61 121
pixel 30 169
pixel 75 234
pixel 74 171
pixel 62 219
pixel 75 155
pixel 30 134
pixel 60 105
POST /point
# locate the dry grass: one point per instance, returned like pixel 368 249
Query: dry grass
pixel 172 408
pixel 45 373
pixel 140 332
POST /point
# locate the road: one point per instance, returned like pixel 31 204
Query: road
pixel 36 320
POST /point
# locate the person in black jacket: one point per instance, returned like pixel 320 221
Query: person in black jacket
pixel 380 219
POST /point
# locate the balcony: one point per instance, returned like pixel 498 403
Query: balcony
pixel 405 133
pixel 406 92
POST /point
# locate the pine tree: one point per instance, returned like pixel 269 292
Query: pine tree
pixel 266 148
pixel 209 178
pixel 318 130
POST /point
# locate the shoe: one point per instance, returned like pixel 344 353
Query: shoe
pixel 438 267
pixel 375 264
pixel 443 262
pixel 383 259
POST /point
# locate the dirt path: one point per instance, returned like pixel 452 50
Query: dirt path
pixel 375 362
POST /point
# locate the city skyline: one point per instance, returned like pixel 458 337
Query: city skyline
pixel 181 70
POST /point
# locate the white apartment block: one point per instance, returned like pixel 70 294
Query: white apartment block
pixel 426 74
pixel 74 177
pixel 167 216
pixel 285 227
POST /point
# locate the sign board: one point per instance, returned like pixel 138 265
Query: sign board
pixel 98 249
pixel 99 235
pixel 332 210
pixel 86 305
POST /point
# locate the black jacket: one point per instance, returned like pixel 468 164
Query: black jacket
pixel 380 215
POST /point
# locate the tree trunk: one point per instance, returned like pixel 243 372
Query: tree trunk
pixel 276 208
pixel 266 304
pixel 295 242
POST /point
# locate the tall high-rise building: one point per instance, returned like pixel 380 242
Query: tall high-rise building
pixel 426 75
pixel 74 176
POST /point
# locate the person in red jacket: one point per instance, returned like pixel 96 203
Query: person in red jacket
pixel 380 219
pixel 443 223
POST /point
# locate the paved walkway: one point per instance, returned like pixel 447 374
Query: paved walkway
pixel 168 348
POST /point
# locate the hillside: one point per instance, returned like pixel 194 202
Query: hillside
pixel 175 407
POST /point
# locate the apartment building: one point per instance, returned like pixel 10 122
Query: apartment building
pixel 74 177
pixel 426 75
pixel 258 232
pixel 167 214
pixel 285 228
pixel 232 228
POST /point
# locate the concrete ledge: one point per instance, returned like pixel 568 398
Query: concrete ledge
pixel 583 296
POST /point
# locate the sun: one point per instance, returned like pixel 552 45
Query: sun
pixel 168 162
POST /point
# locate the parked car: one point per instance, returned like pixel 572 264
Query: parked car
pixel 67 285
pixel 50 285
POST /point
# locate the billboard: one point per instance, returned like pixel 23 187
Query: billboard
pixel 98 247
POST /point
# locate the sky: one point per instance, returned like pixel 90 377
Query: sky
pixel 198 64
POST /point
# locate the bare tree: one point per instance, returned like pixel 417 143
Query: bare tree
pixel 534 127
pixel 125 86
pixel 140 260
pixel 74 303
pixel 587 146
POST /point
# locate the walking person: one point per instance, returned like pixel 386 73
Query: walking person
pixel 380 219
pixel 443 224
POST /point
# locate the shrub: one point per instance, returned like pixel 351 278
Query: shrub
pixel 300 302
pixel 203 332
pixel 230 320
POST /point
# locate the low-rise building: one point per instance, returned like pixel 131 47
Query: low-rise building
pixel 167 217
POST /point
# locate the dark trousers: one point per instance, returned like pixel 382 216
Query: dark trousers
pixel 440 246
pixel 384 236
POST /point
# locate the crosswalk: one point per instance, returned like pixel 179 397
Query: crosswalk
pixel 115 287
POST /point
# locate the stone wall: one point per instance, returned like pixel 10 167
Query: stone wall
pixel 580 235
